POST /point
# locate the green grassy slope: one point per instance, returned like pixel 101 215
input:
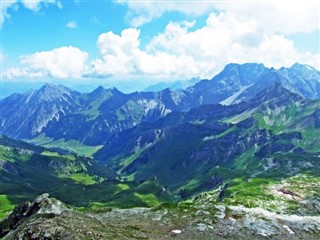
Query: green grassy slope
pixel 299 194
pixel 75 180
pixel 203 148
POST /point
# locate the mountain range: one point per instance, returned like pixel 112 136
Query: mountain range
pixel 249 127
pixel 246 110
pixel 53 111
pixel 183 84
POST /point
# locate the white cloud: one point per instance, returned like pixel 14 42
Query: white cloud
pixel 141 12
pixel 63 62
pixel 243 32
pixel 178 52
pixel 234 32
pixel 59 5
pixel 117 52
pixel 4 8
pixel 71 24
pixel 33 5
pixel 122 57
pixel 284 17
pixel 22 72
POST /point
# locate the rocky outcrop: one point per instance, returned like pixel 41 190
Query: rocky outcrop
pixel 8 167
pixel 47 218
pixel 42 205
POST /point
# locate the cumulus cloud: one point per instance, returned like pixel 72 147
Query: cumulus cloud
pixel 122 58
pixel 12 73
pixel 179 52
pixel 34 5
pixel 71 24
pixel 63 62
pixel 117 52
pixel 237 32
pixel 285 16
pixel 141 12
pixel 4 10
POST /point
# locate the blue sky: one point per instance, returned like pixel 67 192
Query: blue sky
pixel 26 32
pixel 144 42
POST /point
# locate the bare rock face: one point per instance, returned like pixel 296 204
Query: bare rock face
pixel 48 219
pixel 42 205
pixel 8 167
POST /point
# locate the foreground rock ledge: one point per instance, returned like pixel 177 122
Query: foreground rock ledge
pixel 48 218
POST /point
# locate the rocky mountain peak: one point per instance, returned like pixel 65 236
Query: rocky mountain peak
pixel 302 67
pixel 54 90
pixel 99 89
pixel 114 90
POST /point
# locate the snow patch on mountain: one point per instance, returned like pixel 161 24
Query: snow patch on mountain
pixel 228 101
